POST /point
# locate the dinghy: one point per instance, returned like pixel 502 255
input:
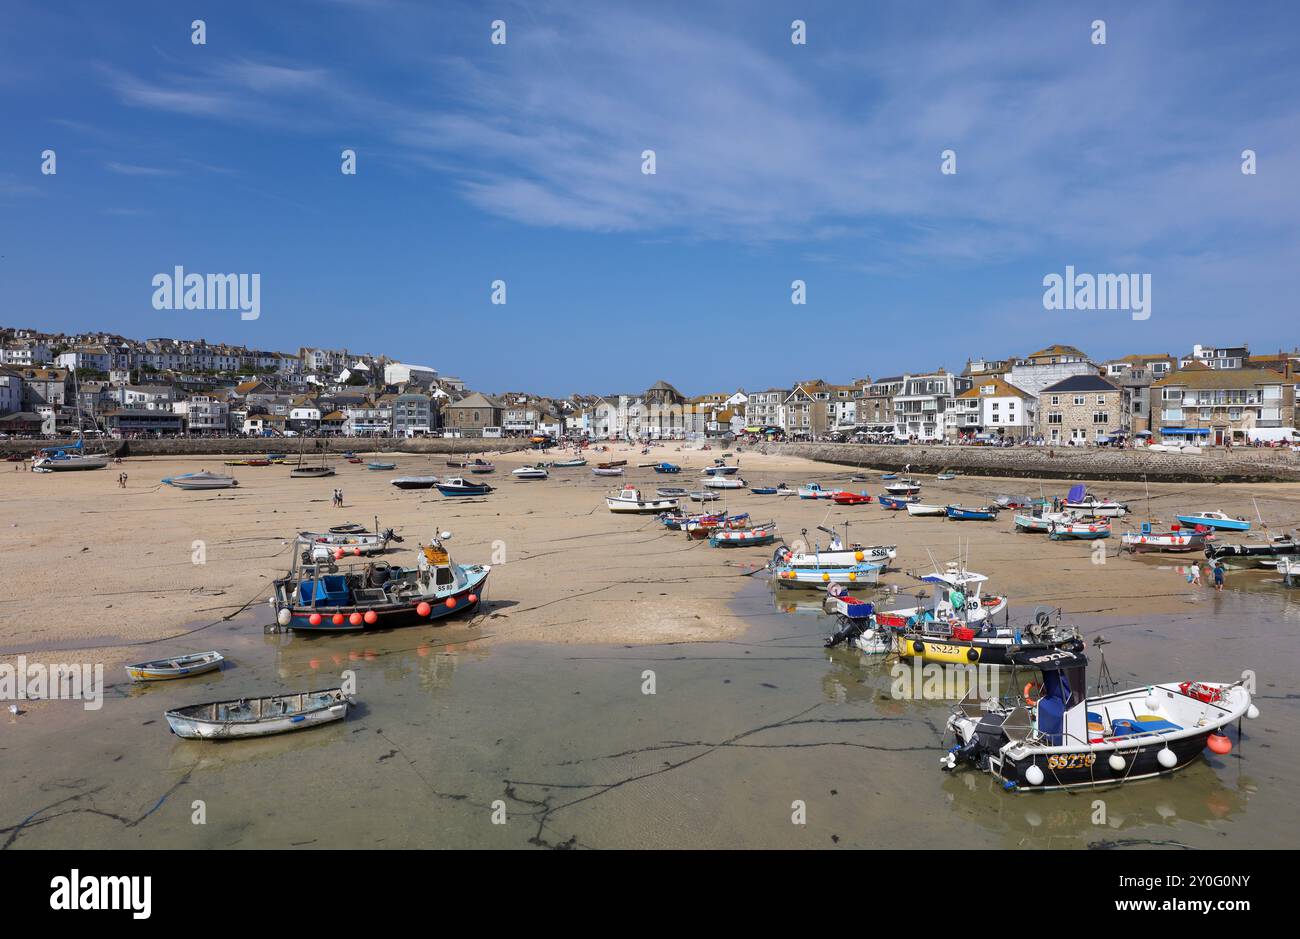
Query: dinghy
pixel 259 717
pixel 917 508
pixel 351 542
pixel 607 470
pixel 670 492
pixel 724 482
pixel 895 503
pixel 763 490
pixel 754 535
pixel 181 666
pixel 945 476
pixel 960 513
pixel 480 466
pixel 629 500
pixel 612 464
pixel 203 480
pixel 381 466
pixel 569 464
pixel 704 495
pixel 1064 739
pixel 414 482
pixel 850 498
pixel 858 627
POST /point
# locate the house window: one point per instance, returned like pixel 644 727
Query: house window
pixel 1078 399
pixel 1100 417
pixel 1101 399
pixel 1054 418
pixel 1206 413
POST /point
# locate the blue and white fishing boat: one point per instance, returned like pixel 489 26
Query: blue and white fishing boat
pixel 1216 520
pixel 1079 529
pixel 864 573
pixel 721 470
pixel 959 513
pixel 896 503
pixel 814 491
pixel 667 468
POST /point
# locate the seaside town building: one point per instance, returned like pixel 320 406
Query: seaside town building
pixel 1079 410
pixel 995 409
pixel 1217 405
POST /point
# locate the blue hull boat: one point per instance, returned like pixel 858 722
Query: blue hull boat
pixel 763 490
pixel 462 488
pixel 668 468
pixel 1216 520
pixel 959 514
pixel 896 503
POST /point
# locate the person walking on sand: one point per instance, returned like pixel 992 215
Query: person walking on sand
pixel 1218 575
pixel 1194 574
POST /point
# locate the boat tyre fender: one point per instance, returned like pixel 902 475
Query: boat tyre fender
pixel 1042 618
pixel 918 647
pixel 972 655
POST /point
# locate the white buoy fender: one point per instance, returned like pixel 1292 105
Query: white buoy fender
pixel 1252 712
pixel 1116 762
pixel 1167 758
pixel 284 617
pixel 1034 776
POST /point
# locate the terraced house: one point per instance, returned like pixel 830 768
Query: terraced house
pixel 1079 410
pixel 1221 405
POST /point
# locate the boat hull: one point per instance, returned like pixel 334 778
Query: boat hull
pixel 184 667
pixel 201 728
pixel 389 615
pixel 1219 524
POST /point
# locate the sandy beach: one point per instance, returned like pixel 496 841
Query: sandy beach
pixel 103 568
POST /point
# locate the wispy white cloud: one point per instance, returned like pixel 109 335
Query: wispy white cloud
pixel 131 169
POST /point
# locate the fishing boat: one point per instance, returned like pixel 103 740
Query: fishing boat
pixel 414 482
pixel 629 499
pixel 1064 739
pixel 724 482
pixel 704 495
pixel 961 513
pixel 783 490
pixel 180 666
pixel 862 574
pixel 918 508
pixel 895 503
pixel 1215 520
pixel 352 540
pixel 317 595
pixel 753 536
pixel 202 480
pixel 957 594
pixel 259 717
pixel 480 466
pixel 699 527
pixel 849 498
pixel 381 466
pixel 954 642
pixel 1079 529
pixel 569 464
pixel 835 556
pixel 814 491
pixel 721 470
pixel 355 459
pixel 457 486
pixel 530 472
pixel 607 470
pixel 903 487
pixel 1254 554
pixel 1038 518
pixel 667 468
pixel 670 492
pixel 1176 540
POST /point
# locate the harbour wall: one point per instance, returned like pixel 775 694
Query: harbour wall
pixel 244 446
pixel 1083 463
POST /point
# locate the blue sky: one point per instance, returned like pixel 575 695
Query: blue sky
pixel 774 162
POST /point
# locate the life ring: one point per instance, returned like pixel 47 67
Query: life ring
pixel 1026 694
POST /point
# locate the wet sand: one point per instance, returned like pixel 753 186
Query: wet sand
pixel 538 705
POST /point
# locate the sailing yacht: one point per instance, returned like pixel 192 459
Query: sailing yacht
pixel 75 457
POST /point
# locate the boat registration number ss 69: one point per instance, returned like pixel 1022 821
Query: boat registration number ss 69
pixel 1071 760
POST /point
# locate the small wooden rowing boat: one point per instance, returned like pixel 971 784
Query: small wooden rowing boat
pixel 259 717
pixel 607 471
pixel 181 666
pixel 381 466
pixel 916 508
pixel 612 464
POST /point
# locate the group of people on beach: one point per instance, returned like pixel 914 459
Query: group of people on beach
pixel 1194 574
pixel 338 498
